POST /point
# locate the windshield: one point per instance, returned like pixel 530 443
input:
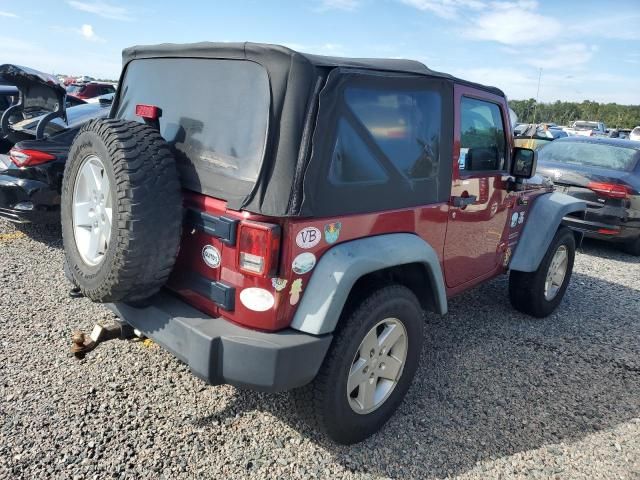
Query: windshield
pixel 72 89
pixel 214 113
pixel 590 155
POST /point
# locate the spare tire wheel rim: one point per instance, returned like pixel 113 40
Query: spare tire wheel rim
pixel 556 273
pixel 377 366
pixel 92 211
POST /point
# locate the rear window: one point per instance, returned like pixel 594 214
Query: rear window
pixel 214 113
pixel 585 126
pixel 590 155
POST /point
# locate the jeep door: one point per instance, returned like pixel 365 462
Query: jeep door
pixel 478 205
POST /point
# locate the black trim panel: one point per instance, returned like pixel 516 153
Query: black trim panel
pixel 224 228
pixel 222 295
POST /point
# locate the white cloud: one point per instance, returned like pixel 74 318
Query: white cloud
pixel 563 57
pixel 448 9
pixel 347 5
pixel 102 9
pixel 87 32
pixel 513 23
pixel 8 14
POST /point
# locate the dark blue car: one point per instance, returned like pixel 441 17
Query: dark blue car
pixel 604 172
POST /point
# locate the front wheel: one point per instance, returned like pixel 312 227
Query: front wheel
pixel 368 369
pixel 538 293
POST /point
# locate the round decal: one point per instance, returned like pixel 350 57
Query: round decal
pixel 304 263
pixel 257 299
pixel 211 256
pixel 308 237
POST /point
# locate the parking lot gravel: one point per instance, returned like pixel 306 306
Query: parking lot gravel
pixel 498 394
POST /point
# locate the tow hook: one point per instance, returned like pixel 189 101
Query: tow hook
pixel 83 343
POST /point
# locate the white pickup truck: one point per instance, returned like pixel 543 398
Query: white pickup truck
pixel 587 129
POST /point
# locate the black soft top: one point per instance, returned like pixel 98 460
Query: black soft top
pixel 272 56
pixel 303 91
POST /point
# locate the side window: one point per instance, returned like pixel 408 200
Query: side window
pixel 352 161
pixel 482 139
pixel 399 136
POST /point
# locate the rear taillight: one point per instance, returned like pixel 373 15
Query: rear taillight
pixel 28 158
pixel 258 248
pixel 610 190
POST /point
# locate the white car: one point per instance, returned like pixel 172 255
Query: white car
pixel 635 134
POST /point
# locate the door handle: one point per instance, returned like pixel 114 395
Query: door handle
pixel 462 202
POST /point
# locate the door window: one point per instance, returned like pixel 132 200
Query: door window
pixel 482 139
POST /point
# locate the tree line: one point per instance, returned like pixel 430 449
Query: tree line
pixel 564 113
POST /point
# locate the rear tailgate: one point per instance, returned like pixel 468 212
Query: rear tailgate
pixel 207 273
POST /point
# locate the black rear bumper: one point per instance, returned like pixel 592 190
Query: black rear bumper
pixel 219 351
pixel 44 198
pixel 612 231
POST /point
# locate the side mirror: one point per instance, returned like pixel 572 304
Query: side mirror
pixel 524 162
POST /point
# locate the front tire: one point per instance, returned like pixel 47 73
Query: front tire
pixel 368 369
pixel 539 293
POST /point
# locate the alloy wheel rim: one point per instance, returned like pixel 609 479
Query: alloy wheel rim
pixel 92 211
pixel 556 273
pixel 377 366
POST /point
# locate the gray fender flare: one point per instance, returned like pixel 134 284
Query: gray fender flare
pixel 341 266
pixel 543 219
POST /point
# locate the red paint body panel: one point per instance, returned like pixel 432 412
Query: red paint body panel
pixel 472 242
pixel 474 245
pixel 429 222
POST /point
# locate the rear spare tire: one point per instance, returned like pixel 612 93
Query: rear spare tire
pixel 121 211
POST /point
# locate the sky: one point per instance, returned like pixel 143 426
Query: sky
pixel 582 50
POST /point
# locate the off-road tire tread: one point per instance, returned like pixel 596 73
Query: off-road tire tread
pixel 148 216
pixel 309 399
pixel 526 289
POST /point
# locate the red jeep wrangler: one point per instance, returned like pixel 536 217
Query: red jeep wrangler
pixel 285 223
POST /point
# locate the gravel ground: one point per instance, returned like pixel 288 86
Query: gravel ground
pixel 498 394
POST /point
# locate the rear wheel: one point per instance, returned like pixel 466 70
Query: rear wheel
pixel 121 211
pixel 538 293
pixel 369 367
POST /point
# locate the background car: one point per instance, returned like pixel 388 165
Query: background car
pixel 589 129
pixel 39 141
pixel 90 90
pixel 535 136
pixel 605 173
pixel 635 134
